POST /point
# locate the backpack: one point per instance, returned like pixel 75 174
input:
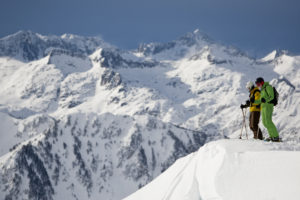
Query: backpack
pixel 276 96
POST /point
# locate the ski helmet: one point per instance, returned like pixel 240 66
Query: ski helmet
pixel 249 85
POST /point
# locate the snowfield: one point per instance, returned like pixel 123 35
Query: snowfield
pixel 229 170
pixel 82 119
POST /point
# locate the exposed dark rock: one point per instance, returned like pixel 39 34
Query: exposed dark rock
pixel 29 163
pixel 112 59
pixel 83 173
pixel 111 79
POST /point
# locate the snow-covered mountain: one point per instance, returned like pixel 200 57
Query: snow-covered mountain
pixel 82 119
pixel 29 46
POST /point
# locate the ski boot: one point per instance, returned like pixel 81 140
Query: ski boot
pixel 273 139
pixel 269 139
pixel 276 139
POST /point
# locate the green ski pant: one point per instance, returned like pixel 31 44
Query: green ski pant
pixel 266 114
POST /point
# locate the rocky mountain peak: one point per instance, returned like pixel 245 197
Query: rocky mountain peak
pixel 28 46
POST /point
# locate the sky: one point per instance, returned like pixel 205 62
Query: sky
pixel 255 26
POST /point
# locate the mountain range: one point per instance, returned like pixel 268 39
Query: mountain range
pixel 83 119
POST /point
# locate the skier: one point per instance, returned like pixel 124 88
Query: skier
pixel 254 110
pixel 266 96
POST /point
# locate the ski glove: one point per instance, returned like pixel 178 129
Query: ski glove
pixel 247 103
pixel 263 100
pixel 243 106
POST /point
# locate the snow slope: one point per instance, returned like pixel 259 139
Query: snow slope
pixel 229 170
pixel 89 117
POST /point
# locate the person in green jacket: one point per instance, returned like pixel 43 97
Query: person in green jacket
pixel 266 96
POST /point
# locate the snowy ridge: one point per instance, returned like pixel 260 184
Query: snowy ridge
pixel 229 170
pixel 93 116
pixel 29 46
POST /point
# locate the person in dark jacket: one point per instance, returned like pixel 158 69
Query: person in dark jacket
pixel 254 110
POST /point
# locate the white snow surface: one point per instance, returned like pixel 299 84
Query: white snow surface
pixel 229 170
pixel 270 57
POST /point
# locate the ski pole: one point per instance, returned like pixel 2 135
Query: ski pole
pixel 242 125
pixel 245 123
